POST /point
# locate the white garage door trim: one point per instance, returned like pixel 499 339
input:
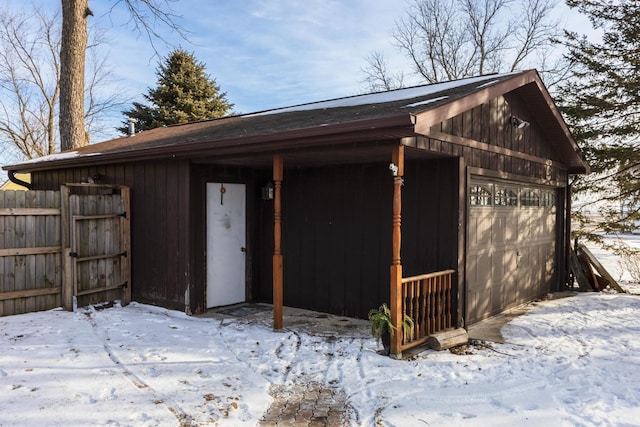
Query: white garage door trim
pixel 511 241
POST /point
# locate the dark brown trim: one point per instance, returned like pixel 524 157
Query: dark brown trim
pixel 566 268
pixel 462 242
pixel 392 127
pixel 486 173
pixel 465 142
pixel 525 82
pixel 467 184
pixel 424 121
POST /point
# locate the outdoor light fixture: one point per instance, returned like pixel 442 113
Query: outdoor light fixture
pixel 267 191
pixel 92 179
pixel 518 123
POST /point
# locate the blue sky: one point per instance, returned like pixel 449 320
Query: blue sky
pixel 263 54
pixel 269 53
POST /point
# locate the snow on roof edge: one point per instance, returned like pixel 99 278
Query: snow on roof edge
pixel 56 156
pixel 388 96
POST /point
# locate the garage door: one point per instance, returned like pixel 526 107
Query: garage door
pixel 511 246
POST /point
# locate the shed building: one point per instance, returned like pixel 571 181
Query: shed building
pixel 314 205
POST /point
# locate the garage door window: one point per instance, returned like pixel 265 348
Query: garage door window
pixel 548 199
pixel 530 197
pixel 481 195
pixel 505 196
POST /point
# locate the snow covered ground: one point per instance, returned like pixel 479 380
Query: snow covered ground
pixel 567 362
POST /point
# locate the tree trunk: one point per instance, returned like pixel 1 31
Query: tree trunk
pixel 72 64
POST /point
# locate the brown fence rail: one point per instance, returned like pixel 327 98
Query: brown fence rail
pixel 427 300
pixel 30 251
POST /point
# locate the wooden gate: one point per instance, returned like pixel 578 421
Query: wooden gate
pixel 96 242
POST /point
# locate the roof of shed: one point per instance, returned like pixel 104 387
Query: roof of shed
pixel 325 125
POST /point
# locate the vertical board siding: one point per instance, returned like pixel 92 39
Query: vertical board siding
pixel 337 224
pixel 429 218
pixel 160 273
pixel 489 123
pixel 31 272
pixel 336 257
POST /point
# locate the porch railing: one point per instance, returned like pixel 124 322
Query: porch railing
pixel 427 300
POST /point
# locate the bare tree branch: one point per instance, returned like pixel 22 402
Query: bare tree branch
pixel 378 77
pixel 454 39
pixel 30 83
pixel 145 16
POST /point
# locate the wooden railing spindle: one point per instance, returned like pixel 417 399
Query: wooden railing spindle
pixel 427 300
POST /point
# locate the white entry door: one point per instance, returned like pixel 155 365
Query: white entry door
pixel 226 240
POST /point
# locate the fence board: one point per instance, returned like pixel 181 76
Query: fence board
pixel 30 252
pixel 33 263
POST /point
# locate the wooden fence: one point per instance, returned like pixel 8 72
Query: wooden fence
pixel 427 300
pixel 30 251
pixel 63 248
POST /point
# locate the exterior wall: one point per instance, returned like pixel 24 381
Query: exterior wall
pixel 337 220
pixel 161 264
pixel 337 224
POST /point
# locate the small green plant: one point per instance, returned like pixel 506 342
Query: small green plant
pixel 381 323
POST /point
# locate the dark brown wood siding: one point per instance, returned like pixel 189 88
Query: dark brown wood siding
pixel 337 233
pixel 485 138
pixel 160 223
pixel 430 216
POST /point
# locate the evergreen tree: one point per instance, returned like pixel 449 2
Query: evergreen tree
pixel 184 93
pixel 602 105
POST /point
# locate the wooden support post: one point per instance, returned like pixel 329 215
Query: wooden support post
pixel 458 288
pixel 277 243
pixel 67 265
pixel 397 169
pixel 125 242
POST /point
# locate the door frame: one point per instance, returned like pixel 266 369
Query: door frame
pixel 207 228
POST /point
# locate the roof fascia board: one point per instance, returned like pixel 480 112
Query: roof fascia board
pixel 464 142
pixel 561 123
pixel 398 125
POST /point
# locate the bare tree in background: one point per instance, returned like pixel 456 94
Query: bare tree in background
pixel 144 17
pixel 377 73
pixel 452 39
pixel 30 83
pixel 29 74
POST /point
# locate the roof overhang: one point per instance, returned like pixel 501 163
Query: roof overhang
pixel 326 133
pixel 312 139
